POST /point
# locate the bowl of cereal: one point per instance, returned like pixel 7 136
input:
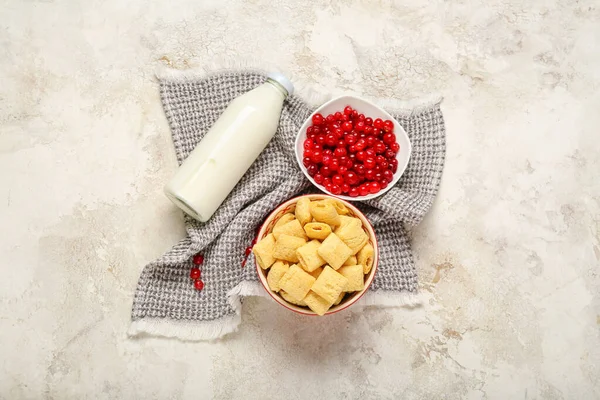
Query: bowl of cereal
pixel 316 254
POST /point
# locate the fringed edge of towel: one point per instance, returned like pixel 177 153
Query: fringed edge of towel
pixel 303 88
pixel 211 330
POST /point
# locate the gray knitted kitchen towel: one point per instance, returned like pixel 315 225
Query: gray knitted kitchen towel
pixel 166 303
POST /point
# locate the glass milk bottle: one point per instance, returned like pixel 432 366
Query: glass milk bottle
pixel 228 149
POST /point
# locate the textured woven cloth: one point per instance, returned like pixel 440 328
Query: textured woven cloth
pixel 166 302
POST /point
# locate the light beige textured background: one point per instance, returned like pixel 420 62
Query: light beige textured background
pixel 508 257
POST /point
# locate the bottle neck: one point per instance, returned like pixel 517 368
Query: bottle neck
pixel 279 88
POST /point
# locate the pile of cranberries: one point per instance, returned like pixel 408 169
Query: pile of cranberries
pixel 351 154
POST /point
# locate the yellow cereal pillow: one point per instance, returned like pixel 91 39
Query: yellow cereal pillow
pixel 351 261
pixel 345 220
pixel 334 251
pixel 292 300
pixel 308 256
pixel 365 257
pixel 355 276
pixel 339 206
pixel 324 211
pixel 329 285
pixel 275 273
pixel 303 210
pixel 296 282
pixel 353 235
pixel 263 251
pixel 286 246
pixel 292 228
pixel 317 230
pixel 284 219
pixel 339 299
pixel 316 303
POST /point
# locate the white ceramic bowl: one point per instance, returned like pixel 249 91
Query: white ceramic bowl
pixel 369 110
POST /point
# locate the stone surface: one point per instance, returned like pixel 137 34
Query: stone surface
pixel 508 257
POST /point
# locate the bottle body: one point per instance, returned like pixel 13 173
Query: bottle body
pixel 227 151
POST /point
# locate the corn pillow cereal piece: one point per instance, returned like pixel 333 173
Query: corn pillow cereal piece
pixel 292 228
pixel 353 235
pixel 264 250
pixel 339 299
pixel 334 251
pixel 351 261
pixel 286 246
pixel 355 276
pixel 317 230
pixel 303 211
pixel 365 257
pixel 276 273
pixel 296 282
pixel 308 256
pixel 324 211
pixel 292 300
pixel 329 284
pixel 340 207
pixel 316 303
pixel 284 219
pixel 345 220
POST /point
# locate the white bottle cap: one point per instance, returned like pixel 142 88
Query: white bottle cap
pixel 283 81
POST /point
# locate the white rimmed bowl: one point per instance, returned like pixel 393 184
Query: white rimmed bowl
pixel 369 110
pixel 289 207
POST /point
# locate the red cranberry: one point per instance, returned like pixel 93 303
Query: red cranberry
pixel 338 133
pixel 354 114
pixel 317 119
pixel 317 130
pixel 330 118
pixel 330 139
pixel 363 190
pixel 347 126
pixel 326 159
pixel 388 125
pixel 370 162
pixel 378 123
pixel 198 284
pixel 320 140
pixel 198 259
pixel 383 185
pixel 374 187
pixel 352 148
pixel 361 117
pixel 361 144
pixel 317 156
pixel 336 189
pixel 328 186
pixel 370 174
pixel 308 144
pixel 395 147
pixel 326 171
pixel 350 139
pixel 312 169
pixel 394 165
pixel 360 169
pixel 353 192
pixel 195 272
pixel 369 130
pixel 318 178
pixel 389 138
pixel 348 110
pixel 360 126
pixel 340 152
pixel 379 147
pixel 368 121
pixel 328 152
pixel 337 116
pixel 334 165
pixel 310 130
pixel 371 140
pixel 345 188
pixel 388 175
pixel 370 153
pixel 351 177
pixel 326 181
pixel 342 169
pixel 361 155
pixel 306 161
pixel 337 179
pixel 389 154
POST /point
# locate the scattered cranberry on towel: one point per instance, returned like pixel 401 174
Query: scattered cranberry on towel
pixel 195 272
pixel 198 284
pixel 198 259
